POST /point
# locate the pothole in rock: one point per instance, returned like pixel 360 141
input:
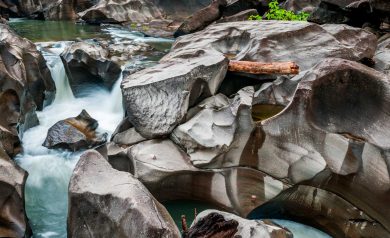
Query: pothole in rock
pixel 261 112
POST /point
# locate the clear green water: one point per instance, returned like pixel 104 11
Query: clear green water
pixel 41 31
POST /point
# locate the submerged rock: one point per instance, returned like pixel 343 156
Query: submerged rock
pixel 75 133
pixel 25 85
pixel 157 98
pixel 104 202
pixel 13 219
pixel 213 223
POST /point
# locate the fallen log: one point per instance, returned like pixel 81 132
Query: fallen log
pixel 263 68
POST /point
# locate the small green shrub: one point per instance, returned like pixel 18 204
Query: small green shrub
pixel 277 13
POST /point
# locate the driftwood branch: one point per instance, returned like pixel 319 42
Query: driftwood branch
pixel 263 68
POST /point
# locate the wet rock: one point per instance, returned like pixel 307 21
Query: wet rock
pixel 213 223
pixel 201 19
pixel 382 57
pixel 322 209
pixel 157 98
pixel 105 202
pixel 75 133
pixel 306 45
pixel 121 11
pixel 9 8
pixel 14 222
pixel 26 83
pixel 218 128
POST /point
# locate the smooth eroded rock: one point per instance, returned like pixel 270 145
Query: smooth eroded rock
pixel 105 202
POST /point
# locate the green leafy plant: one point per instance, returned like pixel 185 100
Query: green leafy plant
pixel 277 13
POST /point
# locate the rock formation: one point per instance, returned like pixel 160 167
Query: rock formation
pixel 74 133
pixel 25 85
pixel 382 57
pixel 104 202
pixel 172 86
pixel 13 220
pixel 213 223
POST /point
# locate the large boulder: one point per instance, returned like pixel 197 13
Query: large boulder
pixel 157 98
pixel 98 63
pixel 9 8
pixel 211 223
pixel 105 202
pixel 13 220
pixel 338 143
pixel 121 11
pixel 306 44
pixel 25 86
pixel 75 133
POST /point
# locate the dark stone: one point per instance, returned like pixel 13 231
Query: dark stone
pixel 75 133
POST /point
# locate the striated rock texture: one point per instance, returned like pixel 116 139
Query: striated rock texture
pixel 54 10
pixel 25 86
pixel 306 43
pixel 107 11
pixel 157 98
pixel 13 220
pixel 213 223
pixel 105 202
pixel 74 134
pixel 217 128
pixel 201 19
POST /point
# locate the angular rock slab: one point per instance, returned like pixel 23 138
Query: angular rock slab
pixel 74 133
pixel 245 228
pixel 335 132
pixel 302 42
pixel 157 98
pixel 13 219
pixel 220 127
pixel 322 209
pixel 169 175
pixel 104 202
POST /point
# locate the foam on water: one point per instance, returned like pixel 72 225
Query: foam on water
pixel 50 170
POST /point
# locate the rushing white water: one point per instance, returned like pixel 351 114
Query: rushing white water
pixel 50 170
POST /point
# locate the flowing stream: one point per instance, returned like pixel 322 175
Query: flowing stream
pixel 49 171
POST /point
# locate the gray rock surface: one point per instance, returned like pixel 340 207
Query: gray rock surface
pixel 306 43
pixel 245 228
pixel 74 133
pixel 13 220
pixel 217 128
pixel 104 202
pixel 157 98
